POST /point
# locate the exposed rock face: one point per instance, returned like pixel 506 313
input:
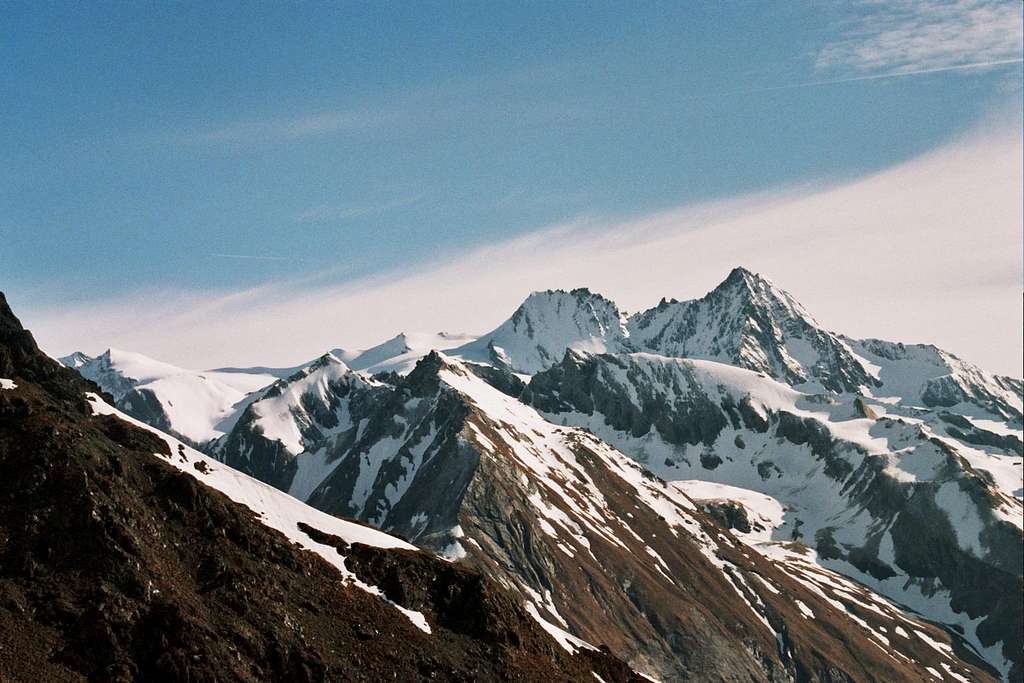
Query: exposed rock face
pixel 576 385
pixel 864 410
pixel 729 515
pixel 144 405
pixel 117 566
pixel 854 486
pixel 966 431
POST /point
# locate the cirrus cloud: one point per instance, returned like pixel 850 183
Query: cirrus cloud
pixel 901 36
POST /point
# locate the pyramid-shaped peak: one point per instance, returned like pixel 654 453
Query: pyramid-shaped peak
pixel 436 360
pixel 326 367
pixel 398 339
pixel 739 273
pixel 747 279
pixel 424 378
pixel 745 287
pixel 750 322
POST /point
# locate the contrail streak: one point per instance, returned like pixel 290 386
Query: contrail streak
pixel 878 77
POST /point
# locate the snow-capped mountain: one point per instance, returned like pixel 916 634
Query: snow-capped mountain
pixel 456 465
pixel 75 360
pixel 544 326
pixel 881 478
pixel 749 322
pixel 127 555
pixel 896 501
pixel 937 378
pixel 293 416
pixel 400 353
pixel 198 406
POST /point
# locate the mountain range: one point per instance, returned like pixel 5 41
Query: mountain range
pixel 714 489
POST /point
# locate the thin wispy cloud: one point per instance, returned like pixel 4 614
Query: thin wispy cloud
pixel 461 101
pixel 924 36
pixel 253 257
pixel 255 132
pixel 323 213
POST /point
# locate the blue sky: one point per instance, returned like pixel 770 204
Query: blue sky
pixel 213 147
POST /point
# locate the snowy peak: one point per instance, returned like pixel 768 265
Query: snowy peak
pixel 896 465
pixel 545 325
pixel 328 360
pixel 940 379
pixel 747 277
pixel 117 372
pixel 401 352
pixel 395 346
pixel 750 322
pixel 75 360
pixel 743 277
pixel 320 372
pixel 194 405
pixel 291 416
pixel 301 410
pixel 761 292
pixel 580 310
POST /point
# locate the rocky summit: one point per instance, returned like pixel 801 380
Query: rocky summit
pixel 718 489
